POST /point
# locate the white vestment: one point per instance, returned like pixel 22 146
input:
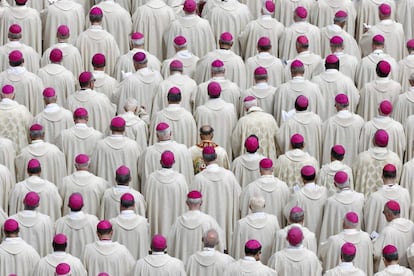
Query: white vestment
pixel 158 263
pixel 309 239
pixel 405 69
pixel 248 266
pixel 188 59
pixel 47 265
pixel 350 44
pixel 271 63
pixel 312 62
pixel 208 262
pixel 404 106
pixel 31 57
pixel 265 96
pixel 111 199
pixel 327 173
pixel 105 84
pixel 135 129
pixel 246 168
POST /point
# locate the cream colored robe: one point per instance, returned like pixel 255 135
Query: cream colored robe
pixel 350 44
pixel 188 59
pixel 54 120
pixel 185 236
pixel 261 124
pixel 288 166
pixel 165 193
pixel 36 229
pixel 309 239
pixel 47 265
pixel 406 68
pixel 248 266
pixel 265 96
pixel 7 182
pixel 99 107
pixel 181 121
pixel 65 12
pixel 373 93
pixel 108 256
pixel 409 152
pixel 153 19
pixel 367 168
pixel 344 270
pixel 78 227
pixel 105 84
pixel 219 185
pixel 397 140
pixel 284 10
pixel 272 64
pixel 17 256
pixel 327 173
pixel 158 264
pixel 336 207
pixel 348 64
pixel 132 231
pixel 111 200
pixel 330 251
pixel 50 202
pixel 404 106
pixel 196 30
pixel 344 128
pixel 395 270
pixel 313 63
pixel 406 177
pixel 254 30
pixel 332 82
pixel 7 155
pixel 88 185
pixel 207 262
pixel 31 57
pixel 72 59
pixel 197 156
pixel 136 129
pixel 259 226
pixel 374 220
pixel 246 168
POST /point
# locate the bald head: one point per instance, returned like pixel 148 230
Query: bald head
pixel 210 238
pixel 206 132
pixel 131 105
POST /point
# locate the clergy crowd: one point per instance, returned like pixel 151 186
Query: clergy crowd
pixel 209 137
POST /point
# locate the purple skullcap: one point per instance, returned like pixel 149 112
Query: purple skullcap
pixel 174 91
pixel 137 36
pixel 217 63
pixel 176 64
pixel 103 274
pixel 7 89
pixel 307 170
pixel 189 6
pixel 31 199
pixel 389 168
pixel 340 15
pixel 378 38
pixel 348 249
pixel 393 205
pixel 127 197
pixel 251 144
pixel 264 41
pixel 338 149
pixel 336 40
pixel 384 67
pixel 381 138
pixel 15 56
pixel 352 217
pixel 341 177
pixel 81 159
pixel 15 29
pixel 302 101
pixel 123 170
pixel 194 194
pixel 96 11
pixel 56 55
pixel 253 244
pixel 389 249
pixel 118 122
pixel 296 64
pixel 296 139
pixel 331 59
pixel 384 9
pixel 269 6
pixel 180 40
pixel 301 12
pixel 10 225
pixel 214 89
pixel 266 163
pixel 60 239
pixel 75 201
pixel 62 269
pixel 296 210
pixel 302 40
pixel 33 164
pixel 85 77
pixel 49 92
pixel 21 1
pixel 80 112
pixel 249 98
pixel 162 126
pixel 159 242
pixel 209 150
pixel 167 158
pixel 104 225
pixel 140 57
pixel 36 127
pixel 260 71
pixel 410 43
pixel 226 37
pixel 63 30
pixel 295 236
pixel 98 59
pixel 386 107
pixel 341 99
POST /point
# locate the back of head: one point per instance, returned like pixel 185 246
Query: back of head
pixel 257 204
pixel 296 215
pixel 210 238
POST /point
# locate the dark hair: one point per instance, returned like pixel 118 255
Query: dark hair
pixel 379 73
pixel 36 170
pixel 251 252
pixel 175 98
pixel 264 48
pixel 59 247
pixel 332 65
pixel 348 258
pixel 337 156
pixel 297 145
pixel 387 174
pixel 123 179
pixel 94 18
pixel 391 257
pixel 16 63
pixel 104 231
pixel 309 177
pixel 127 203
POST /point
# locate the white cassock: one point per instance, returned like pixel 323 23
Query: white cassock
pixel 409 152
pixel 312 200
pixel 185 236
pixel 188 59
pixel 7 155
pixel 88 185
pixel 261 124
pixel 36 229
pixel 109 256
pixel 99 107
pixel 158 263
pixel 63 12
pixel 248 266
pixel 287 93
pixel 323 12
pixel 132 230
pixel 327 173
pixel 397 140
pixel 50 201
pixel 115 151
pixel 221 192
pixel 125 63
pixel 259 226
pixel 374 92
pixel 153 19
pixel 31 57
pixel 165 193
pixel 15 120
pixel 405 69
pixel 196 30
pixel 373 218
pixel 344 269
pixel 187 86
pixel 111 199
pixel 309 239
pixel 271 63
pixel 222 117
pixel 406 177
pixel 312 62
pixel 181 121
pixel 196 153
pixel 86 4
pixel 235 70
pixel 38 5
pixel 395 270
pixel 398 232
pixel 404 106
pixel 149 161
pixel 265 25
pixel 47 265
pixel 367 168
pixel 309 125
pixel 60 78
pixel 29 19
pixel 287 49
pixel 97 40
pixel 350 44
pixel 229 16
pixel 105 84
pixel 296 261
pixel 331 82
pixel 50 157
pixel 274 191
pixel 117 21
pixel 344 128
pixel 142 86
pixel 78 227
pixel 208 262
pixel 393 34
pixel 7 182
pixel 72 59
pixel 288 166
pixel 285 9
pixel 336 207
pixel 348 64
pixel 246 168
pixel 135 129
pixel 330 251
pixel 27 86
pixel 54 120
pixel 75 140
pixel 366 70
pixel 17 256
pixel 265 96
